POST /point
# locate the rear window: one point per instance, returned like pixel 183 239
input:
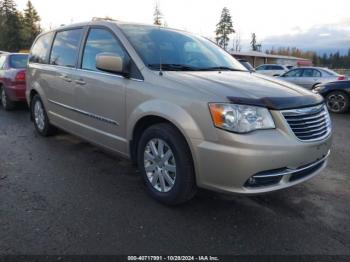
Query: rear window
pixel 65 48
pixel 18 61
pixel 41 48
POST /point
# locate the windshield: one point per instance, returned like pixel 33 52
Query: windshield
pixel 18 61
pixel 177 51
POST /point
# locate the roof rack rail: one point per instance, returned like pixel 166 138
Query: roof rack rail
pixel 103 19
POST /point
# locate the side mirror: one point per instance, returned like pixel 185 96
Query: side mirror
pixel 110 63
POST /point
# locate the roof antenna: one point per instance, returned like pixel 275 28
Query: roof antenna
pixel 160 57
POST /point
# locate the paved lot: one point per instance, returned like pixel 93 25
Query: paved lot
pixel 61 195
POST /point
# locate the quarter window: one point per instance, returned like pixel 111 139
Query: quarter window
pixel 65 48
pixel 100 41
pixel 41 48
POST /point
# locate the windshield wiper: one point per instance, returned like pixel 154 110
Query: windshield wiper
pixel 173 67
pixel 223 68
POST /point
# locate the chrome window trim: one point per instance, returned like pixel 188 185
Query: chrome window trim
pixel 91 115
pixel 110 74
pixel 91 71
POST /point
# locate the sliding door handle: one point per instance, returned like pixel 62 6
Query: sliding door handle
pixel 66 78
pixel 80 82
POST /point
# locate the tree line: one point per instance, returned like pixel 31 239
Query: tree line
pixel 331 60
pixel 18 29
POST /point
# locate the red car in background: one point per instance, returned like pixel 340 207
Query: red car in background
pixel 12 79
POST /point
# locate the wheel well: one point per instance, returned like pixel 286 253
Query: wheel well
pixel 31 95
pixel 340 91
pixel 140 127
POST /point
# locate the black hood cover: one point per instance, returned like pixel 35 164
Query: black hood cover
pixel 279 103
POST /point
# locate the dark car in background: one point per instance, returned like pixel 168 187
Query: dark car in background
pixel 337 95
pixel 12 79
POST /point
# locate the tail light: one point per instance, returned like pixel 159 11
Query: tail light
pixel 341 78
pixel 20 76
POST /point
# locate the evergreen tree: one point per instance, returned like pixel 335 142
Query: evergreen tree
pixel 224 28
pixel 254 43
pixel 31 27
pixel 10 26
pixel 157 15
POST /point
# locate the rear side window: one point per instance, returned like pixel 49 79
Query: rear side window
pixel 41 49
pixel 100 41
pixel 65 48
pixel 18 61
pixel 311 73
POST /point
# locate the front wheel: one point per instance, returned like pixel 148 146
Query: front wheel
pixel 338 102
pixel 39 115
pixel 166 165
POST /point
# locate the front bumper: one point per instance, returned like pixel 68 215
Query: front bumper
pixel 228 164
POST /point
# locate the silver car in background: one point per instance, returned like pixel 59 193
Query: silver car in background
pixel 310 77
pixel 271 69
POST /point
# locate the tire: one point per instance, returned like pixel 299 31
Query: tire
pixel 338 102
pixel 178 167
pixel 7 104
pixel 40 119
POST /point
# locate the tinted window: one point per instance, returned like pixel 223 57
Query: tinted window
pixel 311 73
pixel 100 41
pixel 274 67
pixel 18 61
pixel 294 73
pixel 65 48
pixel 182 50
pixel 41 48
pixel 2 61
pixel 261 68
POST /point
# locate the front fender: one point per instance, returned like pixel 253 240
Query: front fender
pixel 169 111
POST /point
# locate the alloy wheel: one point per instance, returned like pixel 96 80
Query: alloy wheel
pixel 336 102
pixel 39 116
pixel 160 165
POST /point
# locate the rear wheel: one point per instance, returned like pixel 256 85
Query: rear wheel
pixel 338 102
pixel 166 165
pixel 41 121
pixel 7 104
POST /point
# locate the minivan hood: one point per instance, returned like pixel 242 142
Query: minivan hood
pixel 248 88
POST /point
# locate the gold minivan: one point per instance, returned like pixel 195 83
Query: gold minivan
pixel 183 109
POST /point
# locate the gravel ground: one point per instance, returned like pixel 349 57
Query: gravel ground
pixel 61 195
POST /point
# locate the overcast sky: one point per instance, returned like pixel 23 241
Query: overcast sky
pixel 301 23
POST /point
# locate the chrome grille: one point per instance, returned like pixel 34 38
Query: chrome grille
pixel 310 123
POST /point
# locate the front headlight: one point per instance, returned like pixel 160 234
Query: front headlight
pixel 240 118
